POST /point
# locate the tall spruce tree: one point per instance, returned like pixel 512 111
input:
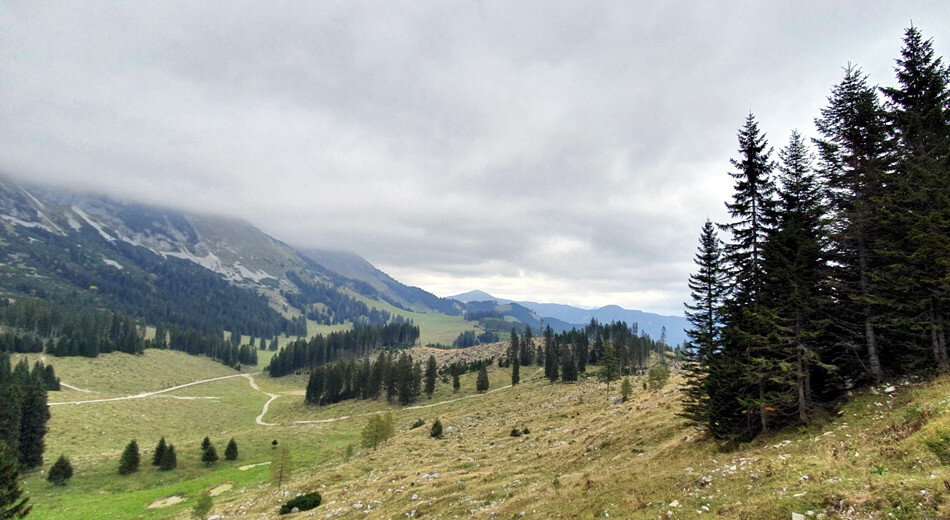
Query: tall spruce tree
pixel 481 382
pixel 34 414
pixel 231 450
pixel 431 372
pixel 609 366
pixel 854 160
pixel 169 459
pixel 916 280
pixel 741 382
pixel 515 370
pixel 707 291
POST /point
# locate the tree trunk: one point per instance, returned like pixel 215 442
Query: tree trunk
pixel 873 359
pixel 939 341
pixel 762 412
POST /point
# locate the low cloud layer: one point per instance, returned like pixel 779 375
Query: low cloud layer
pixel 551 151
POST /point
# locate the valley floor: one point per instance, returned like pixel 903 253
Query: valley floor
pixel 586 456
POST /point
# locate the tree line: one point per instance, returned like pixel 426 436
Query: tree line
pixel 356 342
pixel 834 271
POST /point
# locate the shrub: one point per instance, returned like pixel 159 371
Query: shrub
pixel 525 431
pixel 210 455
pixel 625 389
pixel 202 506
pixel 515 432
pixel 658 375
pixel 418 423
pixel 436 431
pixel 60 472
pixel 302 503
pixel 231 451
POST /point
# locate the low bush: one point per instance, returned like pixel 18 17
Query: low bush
pixel 301 503
pixel 418 423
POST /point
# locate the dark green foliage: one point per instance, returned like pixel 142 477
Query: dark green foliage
pixel 34 414
pixel 13 504
pixel 357 342
pixel 210 455
pixel 418 423
pixel 129 462
pixel 231 450
pixel 436 431
pixel 456 384
pixel 609 366
pixel 60 472
pixel 525 431
pixel 515 432
pixel 481 382
pixel 431 370
pixel 707 290
pixel 205 443
pixel 515 370
pixel 836 276
pixel 159 452
pixel 169 459
pixel 301 503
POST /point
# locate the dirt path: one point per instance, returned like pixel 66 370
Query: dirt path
pixel 71 387
pixel 260 418
pixel 149 394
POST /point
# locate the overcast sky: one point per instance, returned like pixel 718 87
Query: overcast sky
pixel 554 151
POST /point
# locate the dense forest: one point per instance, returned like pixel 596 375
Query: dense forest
pixel 835 266
pixel 329 306
pixel 357 342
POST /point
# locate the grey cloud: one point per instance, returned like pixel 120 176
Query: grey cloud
pixel 569 149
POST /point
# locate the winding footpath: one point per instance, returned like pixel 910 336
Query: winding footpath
pixel 149 394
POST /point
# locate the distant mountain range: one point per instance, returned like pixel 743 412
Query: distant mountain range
pixel 156 263
pixel 560 315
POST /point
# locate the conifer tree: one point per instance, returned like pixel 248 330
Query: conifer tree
pixel 707 288
pixel 210 455
pixel 854 155
pixel 231 450
pixel 436 431
pixel 34 414
pixel 431 371
pixel 169 459
pixel 625 389
pixel 481 382
pixel 205 444
pixel 60 472
pixel 10 410
pixel 13 504
pixel 550 355
pixel 917 205
pixel 159 452
pixel 515 369
pixel 609 367
pixel 129 462
pixel 456 384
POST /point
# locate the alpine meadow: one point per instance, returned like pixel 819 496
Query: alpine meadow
pixel 535 330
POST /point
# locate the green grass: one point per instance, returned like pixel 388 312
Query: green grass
pixel 433 327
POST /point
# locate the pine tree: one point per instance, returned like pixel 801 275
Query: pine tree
pixel 854 155
pixel 210 455
pixel 707 290
pixel 205 444
pixel 609 366
pixel 915 281
pixel 34 414
pixel 456 384
pixel 231 450
pixel 431 371
pixel 159 452
pixel 60 472
pixel 129 462
pixel 169 459
pixel 481 382
pixel 515 369
pixel 13 504
pixel 10 410
pixel 568 365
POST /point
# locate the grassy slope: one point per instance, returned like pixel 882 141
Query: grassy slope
pixel 433 328
pixel 583 457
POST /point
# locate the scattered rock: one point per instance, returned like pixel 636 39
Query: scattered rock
pixel 798 516
pixel 167 501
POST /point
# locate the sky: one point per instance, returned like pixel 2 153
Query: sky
pixel 563 152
